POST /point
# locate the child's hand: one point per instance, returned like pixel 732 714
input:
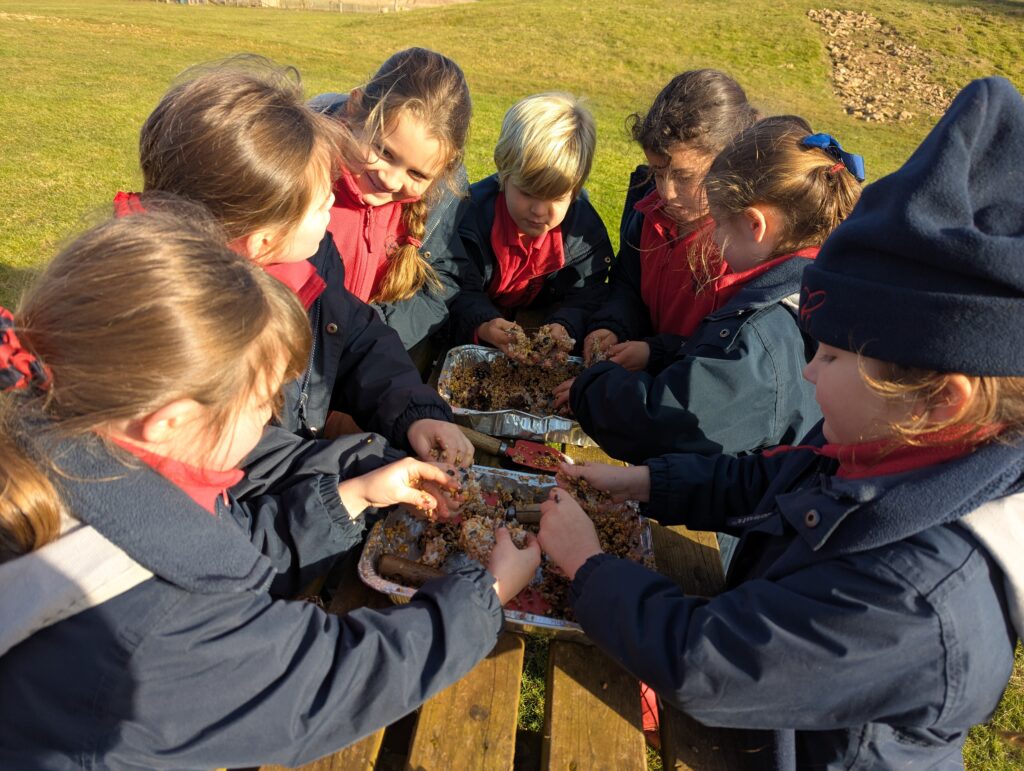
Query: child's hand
pixel 512 568
pixel 600 340
pixel 399 482
pixel 566 533
pixel 561 393
pixel 623 483
pixel 632 354
pixel 499 332
pixel 440 440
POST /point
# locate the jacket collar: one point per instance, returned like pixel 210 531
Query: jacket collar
pixel 845 516
pixel 774 285
pixel 156 523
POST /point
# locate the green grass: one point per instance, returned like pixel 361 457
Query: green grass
pixel 80 77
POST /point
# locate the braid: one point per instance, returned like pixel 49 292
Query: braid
pixel 408 270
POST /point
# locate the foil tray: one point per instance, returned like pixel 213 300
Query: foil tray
pixel 377 543
pixel 511 424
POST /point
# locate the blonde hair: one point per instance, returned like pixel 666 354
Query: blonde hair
pixel 131 316
pixel 767 164
pixel 546 146
pixel 432 88
pixel 995 409
pixel 238 137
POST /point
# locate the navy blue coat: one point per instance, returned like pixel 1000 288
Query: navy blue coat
pixel 356 365
pixel 200 667
pixel 863 626
pixel 427 311
pixel 578 289
pixel 624 311
pixel 734 386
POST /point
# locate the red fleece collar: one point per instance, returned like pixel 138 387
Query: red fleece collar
pixel 521 265
pixel 301 278
pixel 882 457
pixel 203 486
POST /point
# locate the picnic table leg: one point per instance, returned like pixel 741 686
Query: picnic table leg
pixel 592 716
pixel 472 724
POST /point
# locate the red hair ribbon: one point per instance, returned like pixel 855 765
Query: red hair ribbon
pixel 837 168
pixel 414 242
pixel 127 203
pixel 19 367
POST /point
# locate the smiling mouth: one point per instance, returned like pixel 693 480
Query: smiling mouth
pixel 376 185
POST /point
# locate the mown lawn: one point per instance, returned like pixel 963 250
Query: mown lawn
pixel 79 78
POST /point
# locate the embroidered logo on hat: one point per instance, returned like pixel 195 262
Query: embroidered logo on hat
pixel 809 303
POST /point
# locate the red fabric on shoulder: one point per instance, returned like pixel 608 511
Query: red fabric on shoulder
pixel 522 263
pixel 301 277
pixel 203 486
pixel 667 283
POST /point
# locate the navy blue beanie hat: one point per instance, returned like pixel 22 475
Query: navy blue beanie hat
pixel 928 269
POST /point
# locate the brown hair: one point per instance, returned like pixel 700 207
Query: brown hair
pixel 432 87
pixel 996 408
pixel 133 315
pixel 767 164
pixel 238 137
pixel 703 109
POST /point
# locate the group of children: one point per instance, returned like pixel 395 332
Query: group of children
pixel 171 479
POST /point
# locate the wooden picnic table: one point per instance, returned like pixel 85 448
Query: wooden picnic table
pixel 592 706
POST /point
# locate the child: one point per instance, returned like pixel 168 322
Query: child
pixel 734 384
pixel 239 139
pixel 872 605
pixel 138 630
pixel 658 284
pixel 397 202
pixel 531 235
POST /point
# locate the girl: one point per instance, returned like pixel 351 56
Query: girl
pixel 659 283
pixel 531 235
pixel 397 201
pixel 133 587
pixel 734 385
pixel 238 138
pixel 872 605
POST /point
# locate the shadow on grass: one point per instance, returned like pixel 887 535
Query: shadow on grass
pixel 1006 7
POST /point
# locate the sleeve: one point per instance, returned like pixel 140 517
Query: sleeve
pixel 712 399
pixel 241 680
pixel 584 284
pixel 624 312
pixel 837 644
pixel 426 312
pixel 664 348
pixel 377 382
pixel 473 307
pixel 289 505
pixel 704 491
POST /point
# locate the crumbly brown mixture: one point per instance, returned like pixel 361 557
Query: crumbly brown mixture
pixel 541 348
pixel 502 384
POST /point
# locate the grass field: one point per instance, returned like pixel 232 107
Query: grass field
pixel 79 78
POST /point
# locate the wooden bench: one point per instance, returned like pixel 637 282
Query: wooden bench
pixel 592 707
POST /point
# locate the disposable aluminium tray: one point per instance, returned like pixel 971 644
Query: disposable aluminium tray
pixel 511 424
pixel 378 544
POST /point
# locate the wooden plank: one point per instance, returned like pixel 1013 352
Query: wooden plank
pixel 590 455
pixel 472 724
pixel 592 716
pixel 691 559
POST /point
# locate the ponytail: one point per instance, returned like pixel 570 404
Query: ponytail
pixel 30 507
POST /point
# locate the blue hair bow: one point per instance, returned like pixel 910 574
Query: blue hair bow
pixel 854 163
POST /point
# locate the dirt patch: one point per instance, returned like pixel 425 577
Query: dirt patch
pixel 879 76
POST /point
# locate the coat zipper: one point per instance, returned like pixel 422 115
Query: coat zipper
pixel 304 393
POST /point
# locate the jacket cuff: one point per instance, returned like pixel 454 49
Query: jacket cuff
pixel 480 584
pixel 659 503
pixel 438 410
pixel 583 574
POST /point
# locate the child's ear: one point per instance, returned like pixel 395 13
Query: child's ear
pixel 954 398
pixel 757 223
pixel 165 424
pixel 255 245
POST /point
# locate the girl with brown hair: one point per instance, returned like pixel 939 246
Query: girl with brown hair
pixel 238 137
pixel 398 201
pixel 136 591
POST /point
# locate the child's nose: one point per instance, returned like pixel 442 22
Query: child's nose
pixel 809 373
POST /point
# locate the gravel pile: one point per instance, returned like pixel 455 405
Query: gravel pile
pixel 879 76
